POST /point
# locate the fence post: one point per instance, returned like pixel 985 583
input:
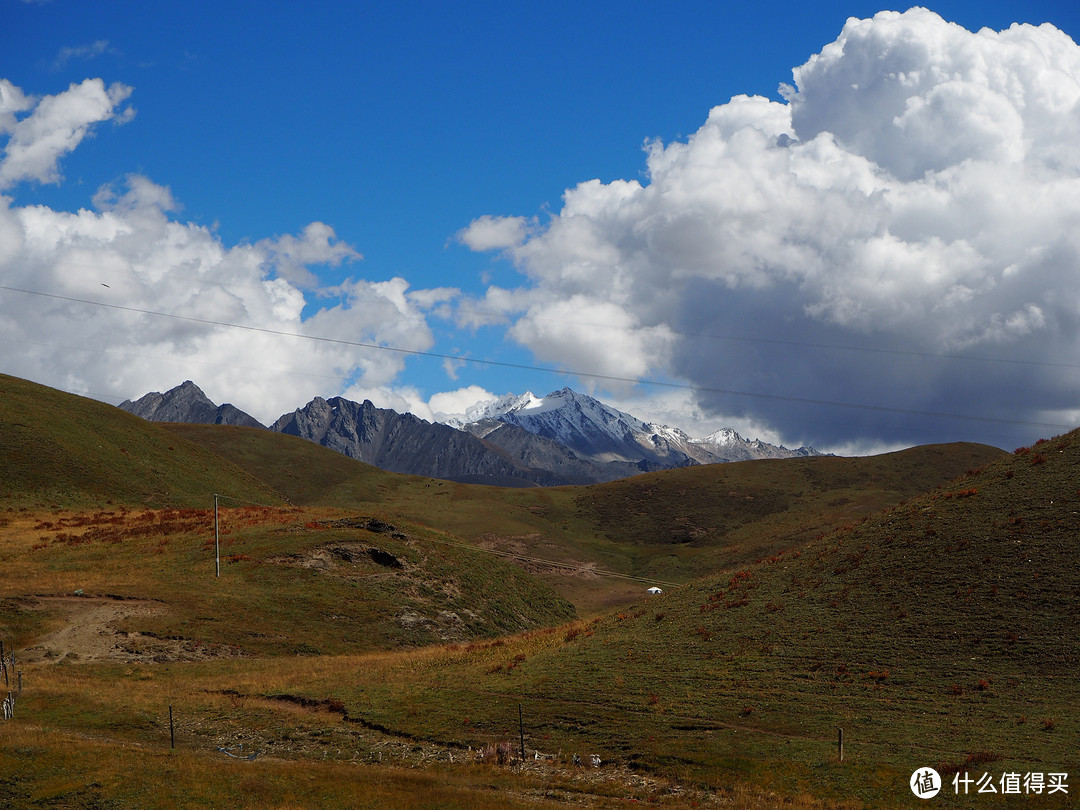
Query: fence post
pixel 172 735
pixel 521 731
pixel 840 743
pixel 217 546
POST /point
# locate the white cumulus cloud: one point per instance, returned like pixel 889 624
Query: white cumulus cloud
pixel 56 125
pixel 125 298
pixel 914 198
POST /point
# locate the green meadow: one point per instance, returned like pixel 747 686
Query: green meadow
pixel 379 640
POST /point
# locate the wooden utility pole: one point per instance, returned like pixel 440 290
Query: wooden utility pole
pixel 217 545
pixel 840 743
pixel 172 735
pixel 521 731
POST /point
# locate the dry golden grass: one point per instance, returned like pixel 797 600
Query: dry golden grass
pixel 935 632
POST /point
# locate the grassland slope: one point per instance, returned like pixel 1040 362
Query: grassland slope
pixel 937 632
pixel 669 526
pixel 305 473
pixel 745 509
pixel 65 450
pixel 103 503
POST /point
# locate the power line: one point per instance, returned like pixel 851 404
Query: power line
pixel 802 344
pixel 187 361
pixel 472 308
pixel 528 367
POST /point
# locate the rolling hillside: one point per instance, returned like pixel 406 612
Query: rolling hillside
pixel 922 601
pixel 99 501
pixel 667 526
pixel 937 633
pixel 61 449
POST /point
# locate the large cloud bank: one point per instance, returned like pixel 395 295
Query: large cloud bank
pixel 132 256
pixel 902 234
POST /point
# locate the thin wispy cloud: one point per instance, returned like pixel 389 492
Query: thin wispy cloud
pixel 79 52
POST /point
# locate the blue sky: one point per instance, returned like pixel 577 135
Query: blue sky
pixel 400 126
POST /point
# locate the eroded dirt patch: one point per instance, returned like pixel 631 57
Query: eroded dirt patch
pixel 93 632
pixel 344 559
pixel 534 554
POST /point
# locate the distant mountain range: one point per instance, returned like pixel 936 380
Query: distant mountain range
pixel 563 438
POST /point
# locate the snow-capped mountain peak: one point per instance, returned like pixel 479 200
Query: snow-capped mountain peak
pixel 722 438
pixel 728 445
pixel 490 409
pixel 593 430
pixel 603 434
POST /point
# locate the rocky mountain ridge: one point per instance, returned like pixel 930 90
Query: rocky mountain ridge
pixel 602 434
pixel 563 438
pixel 187 403
pixel 407 444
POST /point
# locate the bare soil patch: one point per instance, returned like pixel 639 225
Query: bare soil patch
pixel 93 632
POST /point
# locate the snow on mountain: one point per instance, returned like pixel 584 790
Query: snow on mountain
pixel 562 438
pixel 723 437
pixel 601 433
pixel 578 421
pixel 727 445
pixel 590 428
pixel 489 409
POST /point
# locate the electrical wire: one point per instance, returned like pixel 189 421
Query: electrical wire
pixel 568 372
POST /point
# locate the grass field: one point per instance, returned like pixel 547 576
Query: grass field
pixel 362 642
pixel 667 527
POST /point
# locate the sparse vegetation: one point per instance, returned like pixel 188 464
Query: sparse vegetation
pixel 903 625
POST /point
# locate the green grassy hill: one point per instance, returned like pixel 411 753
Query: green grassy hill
pixel 932 621
pixel 668 526
pixel 58 449
pixel 305 473
pixel 936 633
pixel 98 501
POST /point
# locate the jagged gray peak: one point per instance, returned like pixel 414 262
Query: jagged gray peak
pixel 547 454
pixel 563 438
pixel 407 444
pixel 601 434
pixel 187 403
